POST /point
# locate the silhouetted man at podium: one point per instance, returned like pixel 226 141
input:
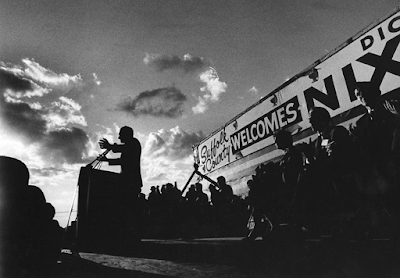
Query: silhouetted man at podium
pixel 130 150
pixel 130 184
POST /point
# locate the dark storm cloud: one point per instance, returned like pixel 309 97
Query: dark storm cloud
pixel 65 145
pixel 10 81
pixel 18 115
pixel 164 102
pixel 58 145
pixel 22 119
pixel 187 64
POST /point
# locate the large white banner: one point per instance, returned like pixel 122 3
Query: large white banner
pixel 373 55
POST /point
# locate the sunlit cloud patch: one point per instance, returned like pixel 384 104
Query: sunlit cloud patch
pixel 167 153
pixel 53 127
pixel 173 144
pixel 212 90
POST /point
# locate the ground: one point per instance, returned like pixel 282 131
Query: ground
pixel 280 256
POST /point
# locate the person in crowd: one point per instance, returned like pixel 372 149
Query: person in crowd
pixel 221 199
pixel 47 236
pixel 177 191
pixel 14 177
pixel 376 133
pixel 221 192
pixel 292 161
pixel 370 96
pixel 30 240
pixel 201 197
pixel 197 211
pixel 331 188
pixel 291 164
pixel 332 143
pixel 292 167
pixel 190 196
pixel 152 195
pixel 269 179
pixel 376 136
pixel 258 223
pixel 154 201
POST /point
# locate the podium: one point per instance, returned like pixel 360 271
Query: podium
pixel 105 218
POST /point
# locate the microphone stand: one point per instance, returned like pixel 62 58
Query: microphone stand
pixel 96 162
pixel 196 167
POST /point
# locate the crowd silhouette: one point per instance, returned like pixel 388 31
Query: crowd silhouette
pixel 345 182
pixel 170 213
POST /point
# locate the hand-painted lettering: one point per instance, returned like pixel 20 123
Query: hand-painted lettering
pixel 216 152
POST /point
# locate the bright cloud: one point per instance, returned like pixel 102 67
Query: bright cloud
pixel 212 90
pixel 253 90
pixel 42 81
pixel 96 79
pixel 200 107
pixel 214 87
pixel 64 112
pixel 42 75
pixel 167 153
pixel 173 144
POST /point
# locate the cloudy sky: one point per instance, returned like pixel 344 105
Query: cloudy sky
pixel 72 72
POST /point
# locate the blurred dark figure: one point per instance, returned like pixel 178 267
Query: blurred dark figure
pixel 201 197
pixel 221 198
pixel 143 213
pixel 221 192
pixel 332 144
pixel 196 212
pixel 154 201
pixel 190 196
pixel 292 161
pixel 268 179
pixel 202 205
pixel 30 240
pixel 291 195
pixel 258 223
pixel 178 192
pixel 328 175
pixel 376 135
pixel 14 176
pixel 47 237
pixel 292 166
